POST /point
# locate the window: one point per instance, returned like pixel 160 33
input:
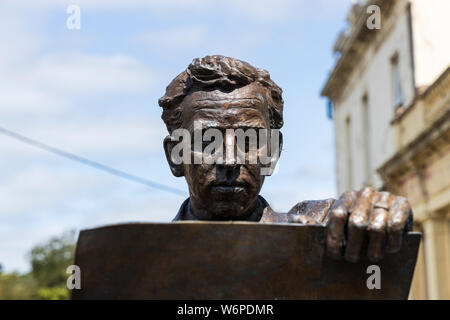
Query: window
pixel 396 81
pixel 348 142
pixel 366 137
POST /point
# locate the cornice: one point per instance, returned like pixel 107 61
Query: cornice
pixel 418 152
pixel 355 46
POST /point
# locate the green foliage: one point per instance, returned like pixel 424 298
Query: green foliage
pixel 54 293
pixel 14 286
pixel 47 278
pixel 50 261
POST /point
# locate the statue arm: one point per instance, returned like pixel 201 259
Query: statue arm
pixel 379 217
pixel 311 211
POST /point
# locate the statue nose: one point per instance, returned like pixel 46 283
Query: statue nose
pixel 228 172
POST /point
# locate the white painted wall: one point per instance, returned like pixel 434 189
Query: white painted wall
pixel 431 30
pixel 374 77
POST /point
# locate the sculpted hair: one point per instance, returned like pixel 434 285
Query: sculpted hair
pixel 218 73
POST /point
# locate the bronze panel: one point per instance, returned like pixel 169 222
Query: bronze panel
pixel 224 260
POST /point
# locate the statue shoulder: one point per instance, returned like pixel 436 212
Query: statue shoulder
pixel 310 211
pixel 304 212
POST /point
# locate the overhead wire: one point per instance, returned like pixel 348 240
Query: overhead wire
pixel 93 164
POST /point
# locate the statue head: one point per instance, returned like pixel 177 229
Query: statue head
pixel 222 95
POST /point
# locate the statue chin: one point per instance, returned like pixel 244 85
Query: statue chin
pixel 228 209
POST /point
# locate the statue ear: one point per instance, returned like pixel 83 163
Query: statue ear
pixel 177 169
pixel 280 137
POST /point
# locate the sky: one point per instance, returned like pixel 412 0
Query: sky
pixel 94 92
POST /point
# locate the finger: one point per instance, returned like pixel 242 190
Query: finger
pixel 399 216
pixel 337 218
pixel 357 224
pixel 378 224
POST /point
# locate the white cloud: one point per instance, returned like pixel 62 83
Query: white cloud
pixel 143 209
pixel 16 241
pixel 44 201
pixel 35 80
pixel 92 74
pixel 198 39
pixel 43 188
pixel 54 81
pixel 26 98
pixel 267 10
pixel 20 40
pixel 180 37
pixel 112 136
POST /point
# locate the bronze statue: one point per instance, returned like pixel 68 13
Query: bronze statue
pixel 221 102
pixel 225 93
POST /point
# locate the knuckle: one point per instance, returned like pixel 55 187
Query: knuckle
pixel 339 213
pixel 367 191
pixel 357 223
pixel 348 194
pixel 403 203
pixel 384 199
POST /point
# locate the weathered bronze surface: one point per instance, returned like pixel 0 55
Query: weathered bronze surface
pixel 246 260
pixel 226 260
pixel 225 93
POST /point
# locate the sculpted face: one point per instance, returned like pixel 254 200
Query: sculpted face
pixel 227 190
pixel 241 109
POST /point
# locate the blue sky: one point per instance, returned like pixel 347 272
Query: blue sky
pixel 94 92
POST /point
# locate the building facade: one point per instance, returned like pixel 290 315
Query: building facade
pixel 390 91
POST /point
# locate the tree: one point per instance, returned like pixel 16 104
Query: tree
pixel 47 278
pixel 50 260
pixel 14 286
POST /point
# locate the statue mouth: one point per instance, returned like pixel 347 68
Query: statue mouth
pixel 233 187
